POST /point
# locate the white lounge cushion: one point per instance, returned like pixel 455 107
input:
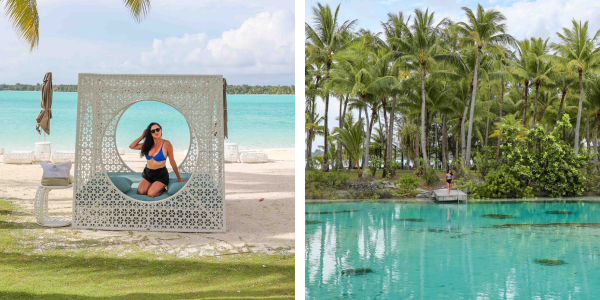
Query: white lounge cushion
pixel 56 174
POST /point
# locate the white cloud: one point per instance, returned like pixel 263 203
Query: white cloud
pixel 262 44
pixel 543 18
pixel 173 50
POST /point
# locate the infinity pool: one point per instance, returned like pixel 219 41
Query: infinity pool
pixel 450 251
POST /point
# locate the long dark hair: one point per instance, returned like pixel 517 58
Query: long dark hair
pixel 149 140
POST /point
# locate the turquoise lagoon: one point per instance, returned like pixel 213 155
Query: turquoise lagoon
pixel 450 251
pixel 259 121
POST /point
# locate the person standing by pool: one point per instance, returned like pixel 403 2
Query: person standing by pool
pixel 449 179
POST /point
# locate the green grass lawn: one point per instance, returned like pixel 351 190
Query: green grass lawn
pixel 99 272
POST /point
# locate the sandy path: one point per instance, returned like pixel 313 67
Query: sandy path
pixel 266 226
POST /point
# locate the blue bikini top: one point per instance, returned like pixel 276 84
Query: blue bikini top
pixel 159 156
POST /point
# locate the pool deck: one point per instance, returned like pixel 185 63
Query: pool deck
pixel 442 195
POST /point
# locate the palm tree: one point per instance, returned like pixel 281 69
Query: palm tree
pixel 593 99
pixel 322 42
pixel 580 54
pixel 24 16
pixel 485 28
pixel 418 48
pixel 352 140
pixel 313 74
pixel 539 69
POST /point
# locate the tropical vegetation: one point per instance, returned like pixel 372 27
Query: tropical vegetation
pixel 511 117
pixel 231 89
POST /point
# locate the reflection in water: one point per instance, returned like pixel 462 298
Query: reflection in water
pixel 454 252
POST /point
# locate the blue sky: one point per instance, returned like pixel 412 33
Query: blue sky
pixel 250 42
pixel 525 19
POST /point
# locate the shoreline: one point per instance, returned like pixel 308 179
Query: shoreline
pixel 257 226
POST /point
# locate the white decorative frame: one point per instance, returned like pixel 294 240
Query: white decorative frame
pixel 101 101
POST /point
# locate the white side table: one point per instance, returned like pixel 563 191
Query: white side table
pixel 40 207
pixel 42 151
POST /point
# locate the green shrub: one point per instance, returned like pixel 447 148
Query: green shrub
pixel 375 163
pixel 592 183
pixel 503 183
pixel 407 183
pixel 332 179
pixel 485 160
pixel 553 167
pixel 427 173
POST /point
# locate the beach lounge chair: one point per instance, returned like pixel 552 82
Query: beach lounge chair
pixel 198 205
pixel 19 157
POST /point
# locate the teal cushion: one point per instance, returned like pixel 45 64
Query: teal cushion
pixel 122 183
pixel 174 187
pixel 137 177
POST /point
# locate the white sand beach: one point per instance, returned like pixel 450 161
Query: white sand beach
pixel 252 226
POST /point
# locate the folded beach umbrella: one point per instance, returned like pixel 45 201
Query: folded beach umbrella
pixel 43 118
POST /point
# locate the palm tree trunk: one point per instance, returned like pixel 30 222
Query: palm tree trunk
pixel 311 132
pixel 339 164
pixel 416 156
pixel 423 145
pixel 365 128
pixel 537 86
pixel 444 143
pixel 487 122
pixel 456 149
pixel 595 135
pixel 501 104
pixel 579 113
pixel 369 132
pixel 562 99
pixel 471 115
pixel 463 119
pixel 325 166
pixel 587 134
pixel 390 137
pixel 525 101
pixel 365 162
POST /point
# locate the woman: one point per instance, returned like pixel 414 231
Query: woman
pixel 155 176
pixel 449 180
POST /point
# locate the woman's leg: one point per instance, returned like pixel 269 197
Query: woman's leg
pixel 143 187
pixel 448 185
pixel 156 189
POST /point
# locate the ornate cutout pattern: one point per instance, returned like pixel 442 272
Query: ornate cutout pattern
pixel 102 99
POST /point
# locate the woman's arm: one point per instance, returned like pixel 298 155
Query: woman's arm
pixel 172 160
pixel 136 144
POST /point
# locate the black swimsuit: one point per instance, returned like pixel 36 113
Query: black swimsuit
pixel 160 174
pixel 449 180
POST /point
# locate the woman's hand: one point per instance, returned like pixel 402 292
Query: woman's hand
pixel 181 180
pixel 144 134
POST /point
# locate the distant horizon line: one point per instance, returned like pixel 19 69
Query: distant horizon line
pixel 36 84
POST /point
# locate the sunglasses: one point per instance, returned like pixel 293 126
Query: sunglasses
pixel 155 130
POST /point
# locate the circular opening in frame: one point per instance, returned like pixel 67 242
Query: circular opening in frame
pixel 159 181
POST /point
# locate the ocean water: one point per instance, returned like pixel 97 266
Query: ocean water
pixel 450 251
pixel 257 121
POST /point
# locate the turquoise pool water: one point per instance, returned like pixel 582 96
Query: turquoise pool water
pixel 450 251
